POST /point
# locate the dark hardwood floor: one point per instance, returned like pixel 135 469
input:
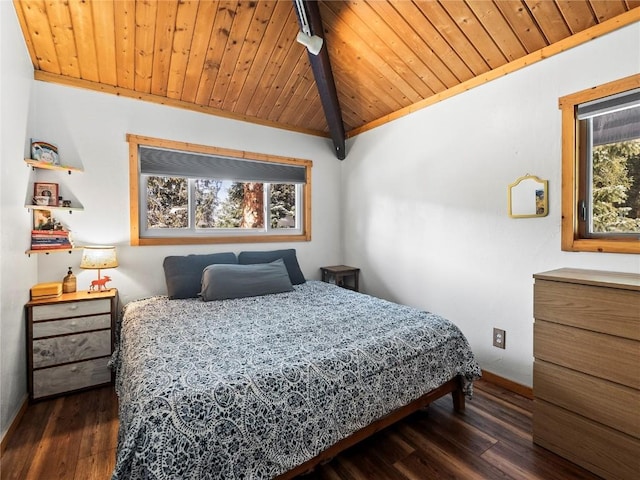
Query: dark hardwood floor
pixel 74 437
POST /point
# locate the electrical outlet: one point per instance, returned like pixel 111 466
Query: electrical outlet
pixel 499 338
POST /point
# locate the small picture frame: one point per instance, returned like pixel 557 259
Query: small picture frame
pixel 45 194
pixel 43 220
pixel 44 152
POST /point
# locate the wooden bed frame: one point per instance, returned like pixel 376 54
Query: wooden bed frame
pixel 453 386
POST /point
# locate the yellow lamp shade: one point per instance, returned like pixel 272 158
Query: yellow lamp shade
pixel 96 258
pixel 99 256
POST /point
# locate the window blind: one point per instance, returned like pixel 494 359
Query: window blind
pixel 610 104
pixel 176 163
pixel 613 119
pixel 616 127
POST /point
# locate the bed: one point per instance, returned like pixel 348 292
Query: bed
pixel 267 386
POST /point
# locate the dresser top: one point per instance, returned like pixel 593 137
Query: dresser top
pixel 599 278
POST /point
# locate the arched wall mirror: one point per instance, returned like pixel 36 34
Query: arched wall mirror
pixel 528 197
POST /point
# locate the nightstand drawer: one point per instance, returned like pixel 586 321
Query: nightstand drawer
pixel 71 325
pixel 71 348
pixel 71 309
pixel 65 378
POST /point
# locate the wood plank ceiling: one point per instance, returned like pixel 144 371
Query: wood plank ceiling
pixel 240 59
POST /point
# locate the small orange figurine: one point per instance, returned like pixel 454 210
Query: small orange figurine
pixel 100 283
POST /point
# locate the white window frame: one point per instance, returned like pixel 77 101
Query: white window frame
pixel 193 231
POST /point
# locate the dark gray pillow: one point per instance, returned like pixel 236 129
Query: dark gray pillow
pixel 183 274
pixel 220 282
pixel 289 257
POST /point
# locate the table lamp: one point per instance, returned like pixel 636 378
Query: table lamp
pixel 99 257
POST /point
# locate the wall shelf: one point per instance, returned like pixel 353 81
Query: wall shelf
pixel 52 250
pixel 48 166
pixel 75 206
pixel 49 207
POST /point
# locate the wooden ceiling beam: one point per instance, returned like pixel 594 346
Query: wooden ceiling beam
pixel 321 67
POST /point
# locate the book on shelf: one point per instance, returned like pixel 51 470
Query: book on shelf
pixel 50 233
pixel 46 237
pixel 50 239
pixel 35 241
pixel 51 247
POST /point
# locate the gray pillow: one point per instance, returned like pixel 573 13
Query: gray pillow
pixel 183 274
pixel 290 260
pixel 220 282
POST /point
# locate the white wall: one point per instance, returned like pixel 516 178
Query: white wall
pixel 90 129
pixel 426 200
pixel 17 271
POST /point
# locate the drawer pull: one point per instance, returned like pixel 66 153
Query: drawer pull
pixel 74 323
pixel 73 307
pixel 74 340
pixel 74 369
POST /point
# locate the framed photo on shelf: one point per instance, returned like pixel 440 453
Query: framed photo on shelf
pixel 45 194
pixel 43 220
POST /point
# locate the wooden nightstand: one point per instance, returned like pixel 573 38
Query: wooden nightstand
pixel 69 342
pixel 341 275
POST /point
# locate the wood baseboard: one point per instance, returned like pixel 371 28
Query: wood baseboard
pixel 507 384
pixel 14 425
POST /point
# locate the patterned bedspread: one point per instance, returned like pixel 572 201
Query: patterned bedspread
pixel 250 388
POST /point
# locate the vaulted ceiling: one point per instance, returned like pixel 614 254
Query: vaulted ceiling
pixel 240 59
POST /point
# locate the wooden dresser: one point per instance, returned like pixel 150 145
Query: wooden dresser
pixel 586 375
pixel 69 342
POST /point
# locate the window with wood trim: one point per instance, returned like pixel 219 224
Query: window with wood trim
pixel 601 168
pixel 182 193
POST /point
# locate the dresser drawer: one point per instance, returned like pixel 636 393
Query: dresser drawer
pixel 600 400
pixel 65 378
pixel 71 325
pixel 604 356
pixel 71 309
pixel 596 447
pixel 606 310
pixel 71 348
